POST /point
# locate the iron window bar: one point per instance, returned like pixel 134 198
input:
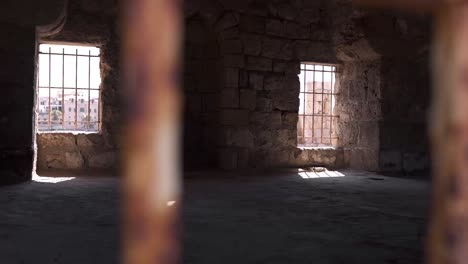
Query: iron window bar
pixel 319 70
pixel 60 105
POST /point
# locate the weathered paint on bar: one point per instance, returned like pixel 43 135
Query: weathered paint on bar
pixel 151 190
pixel 449 227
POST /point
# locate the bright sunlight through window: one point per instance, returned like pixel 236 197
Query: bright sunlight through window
pixel 68 92
pixel 317 119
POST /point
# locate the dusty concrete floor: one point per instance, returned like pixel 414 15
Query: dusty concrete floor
pixel 282 218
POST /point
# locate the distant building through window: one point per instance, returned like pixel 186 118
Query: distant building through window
pixel 317 120
pixel 69 76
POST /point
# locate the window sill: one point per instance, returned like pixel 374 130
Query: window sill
pixel 316 148
pixel 69 132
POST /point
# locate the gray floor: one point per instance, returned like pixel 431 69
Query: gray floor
pixel 228 218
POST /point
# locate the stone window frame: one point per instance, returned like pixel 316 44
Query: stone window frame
pixel 75 110
pixel 334 93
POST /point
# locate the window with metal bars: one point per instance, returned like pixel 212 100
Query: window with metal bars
pixel 69 79
pixel 317 120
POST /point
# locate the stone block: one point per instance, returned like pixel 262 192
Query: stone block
pixel 243 79
pixel 104 160
pixel 313 51
pixel 54 161
pixel 274 82
pixel 231 46
pixel 415 161
pixel 390 161
pixel 356 89
pixel 264 139
pixel 231 33
pixel 287 67
pixel 285 101
pixel 256 81
pixel 231 77
pixel 228 158
pixel 290 120
pixel 243 158
pixel 287 11
pixel 276 48
pixel 369 134
pixel 193 102
pixel 228 20
pixel 229 98
pixel 360 158
pixel 286 137
pixel 296 31
pixel 238 137
pixel 252 24
pixel 318 33
pixel 83 140
pixel 247 99
pixel 272 119
pixel 252 44
pixel 307 16
pixel 234 117
pixel 259 64
pixel 234 61
pixel 349 133
pixel 55 141
pixel 264 104
pixel 74 160
pixel 210 102
pixel 275 27
pixel 322 157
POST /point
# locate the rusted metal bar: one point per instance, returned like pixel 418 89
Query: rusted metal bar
pixel 151 190
pixel 449 137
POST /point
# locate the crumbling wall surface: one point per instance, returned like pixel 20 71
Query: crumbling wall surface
pixel 403 129
pixel 403 41
pixel 261 46
pixel 91 23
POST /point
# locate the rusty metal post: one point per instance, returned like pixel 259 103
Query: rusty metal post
pixel 449 136
pixel 151 189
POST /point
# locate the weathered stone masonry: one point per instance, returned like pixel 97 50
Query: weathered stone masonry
pixel 261 45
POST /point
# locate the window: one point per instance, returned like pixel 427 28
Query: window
pixel 68 75
pixel 317 119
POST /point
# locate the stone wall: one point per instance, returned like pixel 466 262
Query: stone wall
pixel 403 130
pixel 17 80
pixel 261 45
pixel 92 23
pixel 202 78
pixel 17 52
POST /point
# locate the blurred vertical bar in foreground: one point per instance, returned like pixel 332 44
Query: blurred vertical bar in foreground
pixel 151 189
pixel 449 134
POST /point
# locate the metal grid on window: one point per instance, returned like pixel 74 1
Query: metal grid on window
pixel 317 119
pixel 68 90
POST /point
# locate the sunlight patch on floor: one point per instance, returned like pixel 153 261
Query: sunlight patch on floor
pixel 44 179
pixel 312 174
